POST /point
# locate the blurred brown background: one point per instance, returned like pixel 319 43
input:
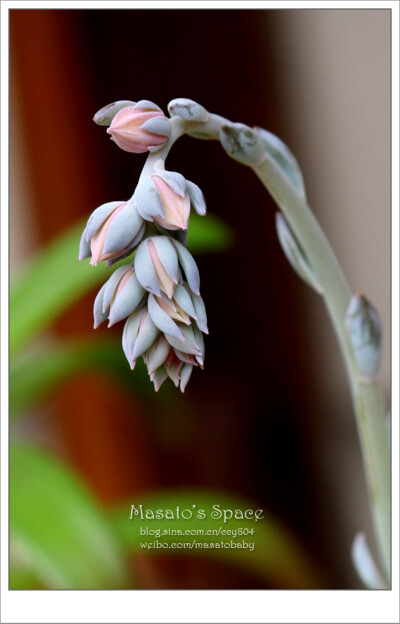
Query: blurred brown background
pixel 270 416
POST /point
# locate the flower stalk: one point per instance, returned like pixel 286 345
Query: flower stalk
pixel 166 327
pixel 367 395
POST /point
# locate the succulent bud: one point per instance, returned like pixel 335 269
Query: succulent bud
pixel 156 265
pixel 165 197
pixel 189 267
pixel 189 343
pixel 188 109
pixel 112 230
pixel 176 207
pixel 120 296
pixel 173 367
pixel 242 144
pixel 138 336
pixel 140 128
pixel 365 335
pixel 105 115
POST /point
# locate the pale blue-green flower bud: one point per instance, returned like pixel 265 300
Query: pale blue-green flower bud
pixel 122 294
pixel 157 125
pixel 242 144
pixel 148 200
pixel 164 361
pixel 165 197
pixel 105 115
pixel 111 231
pixel 186 358
pixel 201 315
pixel 162 319
pixel 183 297
pixel 157 354
pixel 158 377
pixel 196 198
pixel 156 265
pixel 96 219
pixel 138 335
pixel 99 314
pixel 101 307
pixel 363 328
pixel 174 368
pixel 200 343
pixel 147 105
pixel 189 343
pixel 189 267
pixel 185 376
pixel 188 109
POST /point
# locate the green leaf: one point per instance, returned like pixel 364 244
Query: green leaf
pixel 45 369
pixel 54 279
pixel 64 539
pixel 277 558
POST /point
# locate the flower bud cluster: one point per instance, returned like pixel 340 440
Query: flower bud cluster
pixel 158 293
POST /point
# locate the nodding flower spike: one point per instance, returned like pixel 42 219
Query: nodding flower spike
pixel 156 265
pixel 129 130
pixel 188 109
pixel 363 328
pixel 112 230
pixel 158 294
pixel 242 144
pixel 138 335
pixel 105 115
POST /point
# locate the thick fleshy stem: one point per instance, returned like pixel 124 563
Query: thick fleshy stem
pixel 368 400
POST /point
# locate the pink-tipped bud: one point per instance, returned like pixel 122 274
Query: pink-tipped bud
pixel 112 230
pixel 97 241
pixel 127 131
pixel 176 208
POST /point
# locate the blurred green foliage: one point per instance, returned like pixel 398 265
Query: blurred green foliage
pixel 66 538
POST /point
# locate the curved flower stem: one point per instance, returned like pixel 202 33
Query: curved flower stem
pixel 367 397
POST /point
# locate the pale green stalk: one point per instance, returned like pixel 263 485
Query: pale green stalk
pixel 367 396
